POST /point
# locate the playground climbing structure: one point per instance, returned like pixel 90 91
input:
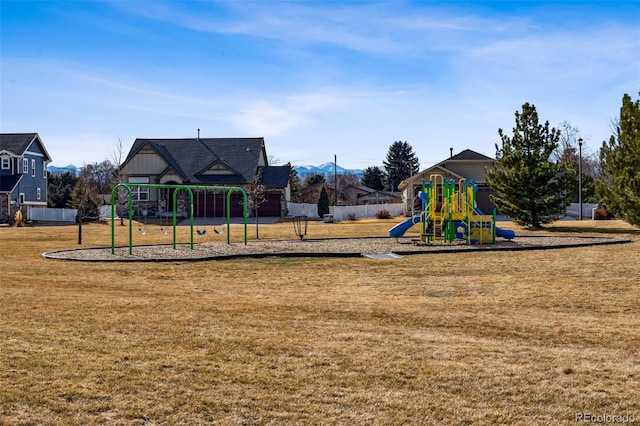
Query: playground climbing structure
pixel 449 213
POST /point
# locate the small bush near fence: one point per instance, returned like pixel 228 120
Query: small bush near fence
pixel 383 214
pixel 602 214
pixel 352 216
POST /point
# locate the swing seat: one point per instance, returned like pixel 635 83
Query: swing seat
pixel 201 232
pixel 220 232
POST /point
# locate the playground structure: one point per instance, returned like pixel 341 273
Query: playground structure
pixel 448 215
pixel 176 189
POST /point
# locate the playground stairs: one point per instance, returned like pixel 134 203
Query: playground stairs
pixel 435 229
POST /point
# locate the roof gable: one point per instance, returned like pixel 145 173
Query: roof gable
pixel 437 169
pixel 18 143
pixel 203 159
pixel 469 155
pixel 217 168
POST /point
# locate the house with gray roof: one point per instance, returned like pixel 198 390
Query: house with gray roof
pixel 23 173
pixel 207 162
pixel 467 164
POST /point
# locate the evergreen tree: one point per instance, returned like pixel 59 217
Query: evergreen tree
pixel 323 202
pixel 294 183
pixel 620 161
pixel 400 164
pixel 373 177
pixel 527 184
pixel 59 189
pixel 314 180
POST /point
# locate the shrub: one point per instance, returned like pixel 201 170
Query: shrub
pixel 323 203
pixel 602 214
pixel 383 214
pixel 352 216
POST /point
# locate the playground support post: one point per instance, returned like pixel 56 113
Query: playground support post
pixel 114 192
pixel 580 177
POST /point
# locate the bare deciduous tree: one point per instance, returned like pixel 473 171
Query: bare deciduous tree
pixel 256 196
pixel 118 155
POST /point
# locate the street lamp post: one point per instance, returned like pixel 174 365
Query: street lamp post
pixel 580 175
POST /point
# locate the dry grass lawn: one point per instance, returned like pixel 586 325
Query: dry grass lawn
pixel 530 337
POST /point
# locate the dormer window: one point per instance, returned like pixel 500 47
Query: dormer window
pixel 6 163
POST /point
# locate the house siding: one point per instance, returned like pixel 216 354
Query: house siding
pixel 146 163
pixel 470 170
pixel 33 179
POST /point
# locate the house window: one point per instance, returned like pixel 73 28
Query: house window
pixel 33 168
pixel 21 198
pixel 137 193
pixel 5 163
pixel 25 166
pixel 44 169
pixel 38 193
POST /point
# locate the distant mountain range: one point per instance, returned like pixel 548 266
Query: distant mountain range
pixel 326 169
pixel 70 168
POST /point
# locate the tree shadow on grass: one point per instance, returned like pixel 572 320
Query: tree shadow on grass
pixel 587 230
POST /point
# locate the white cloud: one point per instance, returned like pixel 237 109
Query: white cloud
pixel 285 114
pixel 343 78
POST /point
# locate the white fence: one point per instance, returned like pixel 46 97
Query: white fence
pixel 588 209
pixel 302 209
pixel 346 212
pixel 105 213
pixel 52 215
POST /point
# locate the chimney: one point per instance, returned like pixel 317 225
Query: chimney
pixel 199 136
pixel 450 152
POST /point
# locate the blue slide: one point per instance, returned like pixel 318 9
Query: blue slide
pixel 507 234
pixel 399 230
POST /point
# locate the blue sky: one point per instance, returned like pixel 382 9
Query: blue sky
pixel 314 78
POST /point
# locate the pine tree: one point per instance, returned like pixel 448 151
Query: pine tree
pixel 620 161
pixel 527 184
pixel 401 163
pixel 323 202
pixel 373 177
pixel 294 183
pixel 59 189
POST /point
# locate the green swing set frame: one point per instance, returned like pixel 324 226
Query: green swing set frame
pixel 177 188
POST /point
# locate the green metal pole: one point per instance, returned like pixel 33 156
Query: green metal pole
pixel 114 192
pixel 494 225
pixel 190 192
pixel 228 216
pixel 113 227
pixel 174 221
